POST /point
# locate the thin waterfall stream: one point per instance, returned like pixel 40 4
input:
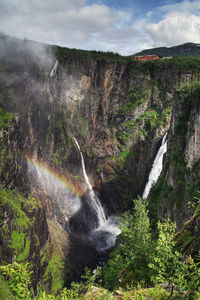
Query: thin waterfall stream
pixel 106 231
pixel 95 203
pixel 54 70
pixel 156 167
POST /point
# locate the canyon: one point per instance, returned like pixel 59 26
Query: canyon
pixel 83 125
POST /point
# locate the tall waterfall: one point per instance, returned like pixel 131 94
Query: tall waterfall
pixel 55 68
pixel 156 167
pixel 95 203
pixel 107 230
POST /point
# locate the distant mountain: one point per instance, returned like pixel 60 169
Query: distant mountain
pixel 187 49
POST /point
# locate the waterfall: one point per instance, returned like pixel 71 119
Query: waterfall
pixel 104 235
pixel 54 70
pixel 156 167
pixel 95 203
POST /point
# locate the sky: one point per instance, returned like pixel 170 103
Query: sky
pixel 122 26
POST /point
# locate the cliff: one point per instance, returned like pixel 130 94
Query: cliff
pixel 175 195
pixel 118 110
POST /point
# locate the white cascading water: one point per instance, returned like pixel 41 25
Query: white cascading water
pixel 107 229
pixel 156 167
pixel 95 203
pixel 55 68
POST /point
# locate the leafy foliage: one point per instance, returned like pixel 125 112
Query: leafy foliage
pixel 5 118
pixel 169 265
pixel 21 208
pixel 143 258
pixel 19 279
pixel 129 263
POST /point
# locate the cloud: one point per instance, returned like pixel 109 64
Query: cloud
pixel 94 25
pixel 62 22
pixel 175 28
pixel 192 6
pixel 180 23
pixel 149 13
pixel 12 47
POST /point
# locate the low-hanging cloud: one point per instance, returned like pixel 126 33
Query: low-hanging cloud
pixel 40 54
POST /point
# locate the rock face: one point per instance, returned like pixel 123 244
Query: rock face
pixel 24 229
pixel 175 192
pixel 117 109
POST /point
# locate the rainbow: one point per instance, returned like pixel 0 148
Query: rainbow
pixel 75 185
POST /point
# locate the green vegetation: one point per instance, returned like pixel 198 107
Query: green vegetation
pixel 24 254
pixel 18 235
pixel 84 55
pixel 63 138
pixel 135 98
pixel 19 206
pixel 5 118
pixel 182 63
pixel 137 268
pixel 123 157
pixel 54 270
pixel 186 63
pixel 170 266
pixel 6 153
pixel 129 262
pixel 5 291
pixel 81 126
pixel 19 279
pixel 149 260
pixel 15 229
pixel 145 124
pixel 190 94
pixel 17 241
pixel 53 259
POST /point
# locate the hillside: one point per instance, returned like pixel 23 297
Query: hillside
pixel 185 50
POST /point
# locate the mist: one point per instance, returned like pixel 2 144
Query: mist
pixel 12 48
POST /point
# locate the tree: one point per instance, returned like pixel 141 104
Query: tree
pixel 170 267
pixel 129 263
pixel 19 279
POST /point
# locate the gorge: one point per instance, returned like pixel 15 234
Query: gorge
pixel 79 132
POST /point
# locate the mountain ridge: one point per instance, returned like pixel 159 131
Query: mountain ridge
pixel 186 49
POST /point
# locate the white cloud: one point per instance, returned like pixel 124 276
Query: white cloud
pixel 89 18
pixel 149 13
pixel 70 23
pixel 192 6
pixel 177 24
pixel 175 28
pixel 75 23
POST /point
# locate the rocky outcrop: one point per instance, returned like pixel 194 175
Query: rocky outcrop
pixel 188 238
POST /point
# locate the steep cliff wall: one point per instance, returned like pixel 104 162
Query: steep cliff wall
pixel 23 222
pixel 174 193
